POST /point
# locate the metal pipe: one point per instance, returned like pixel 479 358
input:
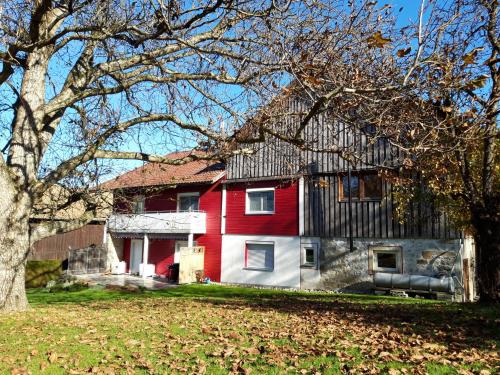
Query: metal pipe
pixel 351 244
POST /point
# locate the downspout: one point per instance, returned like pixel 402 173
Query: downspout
pixel 351 244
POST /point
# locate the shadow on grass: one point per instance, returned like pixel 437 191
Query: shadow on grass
pixel 456 325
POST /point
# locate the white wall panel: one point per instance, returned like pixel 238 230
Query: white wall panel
pixel 286 272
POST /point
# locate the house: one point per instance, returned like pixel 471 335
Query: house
pixel 159 208
pixel 304 219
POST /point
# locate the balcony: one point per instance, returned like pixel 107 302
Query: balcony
pixel 159 222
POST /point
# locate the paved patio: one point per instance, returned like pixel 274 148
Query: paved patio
pixel 125 280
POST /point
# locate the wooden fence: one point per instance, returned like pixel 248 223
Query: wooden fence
pixel 57 247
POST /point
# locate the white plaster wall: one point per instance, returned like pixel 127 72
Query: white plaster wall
pixel 310 277
pixel 115 250
pixel 286 271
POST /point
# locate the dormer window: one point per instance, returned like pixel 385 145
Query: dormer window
pixel 138 205
pixel 188 202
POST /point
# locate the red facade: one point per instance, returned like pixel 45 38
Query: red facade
pixel 161 251
pixel 283 222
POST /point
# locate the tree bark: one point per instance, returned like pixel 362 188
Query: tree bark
pixel 14 250
pixel 487 238
pixel 17 177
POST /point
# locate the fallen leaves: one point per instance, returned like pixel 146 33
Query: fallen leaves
pixel 298 334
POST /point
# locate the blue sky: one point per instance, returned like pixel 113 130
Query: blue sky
pixel 409 12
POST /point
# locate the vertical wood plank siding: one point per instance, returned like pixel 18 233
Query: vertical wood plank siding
pixel 57 247
pixel 324 214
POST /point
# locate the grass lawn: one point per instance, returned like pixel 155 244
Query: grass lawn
pixel 215 329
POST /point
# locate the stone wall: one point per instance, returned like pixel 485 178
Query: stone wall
pixel 341 269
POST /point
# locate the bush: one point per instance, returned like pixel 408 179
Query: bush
pixel 40 272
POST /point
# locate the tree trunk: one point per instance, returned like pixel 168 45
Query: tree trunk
pixel 15 210
pixel 14 250
pixel 12 287
pixel 487 238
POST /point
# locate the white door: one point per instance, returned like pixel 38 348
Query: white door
pixel 135 256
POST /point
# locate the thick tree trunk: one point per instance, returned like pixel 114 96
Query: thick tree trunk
pixel 12 287
pixel 14 249
pixel 487 238
pixel 15 210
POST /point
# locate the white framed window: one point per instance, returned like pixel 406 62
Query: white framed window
pixel 259 256
pixel 138 205
pixel 309 256
pixel 188 202
pixel 259 201
pixel 386 259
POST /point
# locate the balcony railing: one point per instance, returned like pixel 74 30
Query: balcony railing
pixel 159 222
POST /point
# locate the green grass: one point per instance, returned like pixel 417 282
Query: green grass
pixel 218 329
pixel 42 296
pixel 40 272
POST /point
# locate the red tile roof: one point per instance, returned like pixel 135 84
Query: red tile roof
pixel 154 174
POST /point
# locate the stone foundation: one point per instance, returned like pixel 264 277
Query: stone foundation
pixel 351 271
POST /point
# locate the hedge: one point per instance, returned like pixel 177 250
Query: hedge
pixel 40 272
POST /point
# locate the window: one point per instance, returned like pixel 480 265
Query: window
pixel 363 186
pixel 138 205
pixel 386 259
pixel 260 201
pixel 188 202
pixel 259 256
pixel 310 255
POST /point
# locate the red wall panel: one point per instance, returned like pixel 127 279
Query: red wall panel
pixel 165 199
pixel 126 252
pixel 161 254
pixel 285 220
pixel 211 203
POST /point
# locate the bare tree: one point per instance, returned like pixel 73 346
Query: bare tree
pixel 431 89
pixel 80 79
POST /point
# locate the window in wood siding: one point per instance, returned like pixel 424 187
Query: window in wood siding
pixel 188 202
pixel 364 186
pixel 260 201
pixel 138 206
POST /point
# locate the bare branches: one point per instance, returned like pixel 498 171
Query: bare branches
pixel 50 228
pixel 420 43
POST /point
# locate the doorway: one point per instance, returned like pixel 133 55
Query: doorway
pixel 135 255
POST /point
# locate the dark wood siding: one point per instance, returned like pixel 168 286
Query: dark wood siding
pixel 275 157
pixel 327 216
pixel 57 247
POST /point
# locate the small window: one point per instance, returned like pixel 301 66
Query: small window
pixel 363 186
pixel 372 186
pixel 259 256
pixel 310 255
pixel 386 259
pixel 138 206
pixel 188 202
pixel 260 201
pixel 353 189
